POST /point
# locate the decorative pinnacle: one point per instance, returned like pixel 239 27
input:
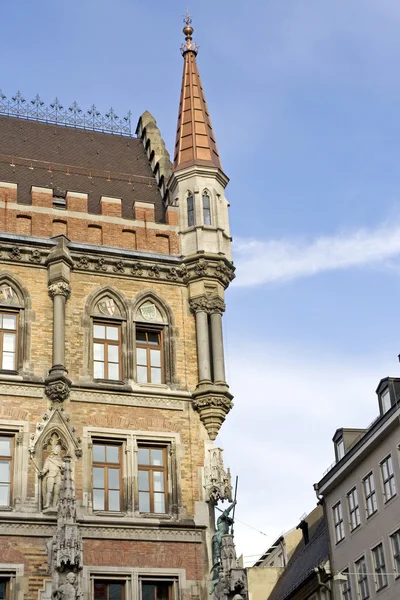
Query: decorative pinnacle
pixel 189 45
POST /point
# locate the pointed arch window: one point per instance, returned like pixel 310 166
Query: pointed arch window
pixel 11 311
pixel 206 209
pixel 190 210
pixel 106 345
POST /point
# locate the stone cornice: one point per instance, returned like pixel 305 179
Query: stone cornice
pixel 168 403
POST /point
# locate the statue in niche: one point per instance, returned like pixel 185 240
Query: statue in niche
pixel 51 474
pixel 224 522
pixel 68 590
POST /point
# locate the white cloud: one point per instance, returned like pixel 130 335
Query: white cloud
pixel 277 438
pixel 261 262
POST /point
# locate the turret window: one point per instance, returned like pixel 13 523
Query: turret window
pixel 206 209
pixel 190 210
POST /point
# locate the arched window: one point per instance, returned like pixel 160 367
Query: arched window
pixel 14 330
pixel 206 209
pixel 153 348
pixel 107 355
pixel 190 210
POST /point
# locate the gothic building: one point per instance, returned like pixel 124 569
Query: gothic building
pixel 113 267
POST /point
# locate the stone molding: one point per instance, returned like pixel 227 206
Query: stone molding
pixel 25 391
pixel 58 389
pixel 213 408
pixel 129 400
pixel 207 304
pixel 59 288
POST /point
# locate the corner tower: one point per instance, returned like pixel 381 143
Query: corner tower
pixel 197 188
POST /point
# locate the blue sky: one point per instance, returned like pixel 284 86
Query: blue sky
pixel 304 96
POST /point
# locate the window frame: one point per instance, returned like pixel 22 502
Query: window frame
pixel 7 580
pixel 108 580
pixel 390 479
pixel 338 524
pixel 150 469
pixel 105 342
pixel 191 210
pixel 106 465
pixel 146 346
pixel 16 313
pixel 395 552
pixel 345 587
pixel 362 578
pixel 370 496
pixel 384 395
pixel 206 210
pixel 11 436
pixel 353 505
pixel 379 570
pixel 151 579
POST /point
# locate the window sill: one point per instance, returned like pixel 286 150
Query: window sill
pixel 152 386
pixel 163 516
pixel 10 375
pixel 387 502
pixel 109 513
pixel 355 529
pixel 340 541
pixel 6 508
pixel 372 515
pixel 109 381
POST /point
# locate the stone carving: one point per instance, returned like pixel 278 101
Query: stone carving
pixel 217 481
pixel 15 253
pixel 130 400
pixel 101 264
pixel 137 269
pixel 154 271
pixel 208 304
pixel 224 523
pixel 224 273
pixel 173 274
pixel 199 304
pixel 119 267
pixel 52 474
pixel 106 306
pixel 35 256
pixel 68 590
pixel 8 295
pixel 83 263
pixel 57 390
pixel 55 420
pixel 212 409
pixel 216 305
pixel 201 267
pixel 60 287
pixel 184 273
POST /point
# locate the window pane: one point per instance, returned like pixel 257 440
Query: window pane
pixel 112 333
pixel 113 354
pixel 155 358
pixel 5 471
pixel 98 351
pixel 99 331
pixel 144 502
pixel 2 590
pixel 113 479
pixel 141 356
pixel 140 336
pixel 115 591
pixel 98 477
pixel 98 499
pixel 99 453
pixel 148 591
pixel 113 454
pixel 141 374
pixel 144 481
pixel 9 322
pixel 113 371
pixel 9 342
pixel 159 503
pixel 98 370
pixel 158 481
pixel 4 494
pixel 100 590
pixel 5 446
pixel 155 375
pixel 113 500
pixel 8 360
pixel 157 457
pixel 153 337
pixel 144 456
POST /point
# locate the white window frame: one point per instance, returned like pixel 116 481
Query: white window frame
pixel 345 586
pixel 379 573
pixel 20 464
pixel 385 395
pixel 15 573
pixel 338 523
pixel 370 497
pixel 390 479
pixel 364 580
pixel 395 555
pixel 354 508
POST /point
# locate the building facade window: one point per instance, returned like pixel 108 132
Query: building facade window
pixel 389 484
pixel 8 341
pixel 206 209
pixel 362 578
pixel 370 494
pixel 152 479
pixel 190 211
pixel 395 542
pixel 385 401
pixel 157 590
pixel 4 588
pixel 106 351
pixel 346 586
pixel 104 589
pixel 107 477
pixel 338 522
pixel 149 356
pixel 354 509
pixel 340 449
pixel 378 557
pixel 6 456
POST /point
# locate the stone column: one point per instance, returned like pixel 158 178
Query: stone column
pixel 59 291
pixel 200 309
pixel 217 307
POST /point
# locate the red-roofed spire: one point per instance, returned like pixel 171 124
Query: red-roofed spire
pixel 195 140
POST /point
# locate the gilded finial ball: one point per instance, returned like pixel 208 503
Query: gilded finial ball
pixel 188 30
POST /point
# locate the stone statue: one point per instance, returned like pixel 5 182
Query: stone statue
pixel 224 522
pixel 67 591
pixel 52 475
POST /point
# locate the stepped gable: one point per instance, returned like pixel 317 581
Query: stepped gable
pixel 76 160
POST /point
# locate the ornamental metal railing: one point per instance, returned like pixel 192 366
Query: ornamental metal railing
pixel 73 116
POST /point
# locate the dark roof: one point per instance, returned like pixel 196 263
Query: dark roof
pixel 303 561
pixel 98 164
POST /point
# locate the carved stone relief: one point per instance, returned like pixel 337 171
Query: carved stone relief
pixel 217 481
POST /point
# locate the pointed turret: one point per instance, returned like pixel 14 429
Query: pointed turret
pixel 195 140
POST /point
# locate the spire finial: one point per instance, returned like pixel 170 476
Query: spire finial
pixel 189 45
